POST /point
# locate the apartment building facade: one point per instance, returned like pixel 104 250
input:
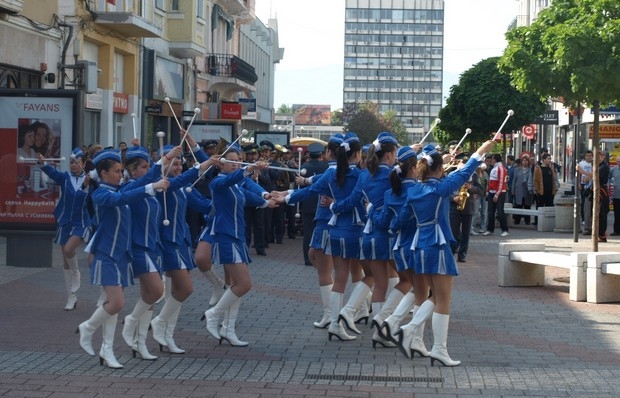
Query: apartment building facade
pixel 394 56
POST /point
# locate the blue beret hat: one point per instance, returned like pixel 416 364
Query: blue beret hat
pixel 106 154
pixel 137 152
pixel 77 153
pixel 386 137
pixel 405 153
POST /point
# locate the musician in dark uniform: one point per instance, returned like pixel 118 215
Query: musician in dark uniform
pixel 292 161
pixel 282 182
pixel 266 179
pixel 462 210
pixel 254 216
pixel 316 165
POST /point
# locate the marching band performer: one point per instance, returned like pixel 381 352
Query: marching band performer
pixel 178 258
pixel 146 246
pixel 432 254
pixel 402 178
pixel 72 218
pixel 229 245
pixel 111 245
pixel 376 254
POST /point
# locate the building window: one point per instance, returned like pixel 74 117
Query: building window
pixel 174 5
pixel 200 9
pixel 159 4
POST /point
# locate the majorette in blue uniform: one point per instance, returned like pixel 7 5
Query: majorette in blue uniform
pixel 72 219
pixel 111 245
pixel 229 245
pixel 146 251
pixel 177 252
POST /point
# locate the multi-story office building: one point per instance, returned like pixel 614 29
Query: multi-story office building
pixel 393 56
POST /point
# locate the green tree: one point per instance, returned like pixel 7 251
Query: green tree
pixel 284 110
pixel 367 122
pixel 572 52
pixel 481 100
pixel 337 118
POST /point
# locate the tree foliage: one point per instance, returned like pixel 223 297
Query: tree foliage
pixel 481 100
pixel 284 110
pixel 571 52
pixel 367 122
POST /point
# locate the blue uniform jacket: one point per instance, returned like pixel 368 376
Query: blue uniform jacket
pixel 229 201
pixel 387 218
pixel 71 207
pixel 430 204
pixel 113 237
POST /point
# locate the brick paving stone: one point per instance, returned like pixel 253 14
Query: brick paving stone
pixel 512 341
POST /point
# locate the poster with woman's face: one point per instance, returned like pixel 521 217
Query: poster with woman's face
pixel 29 126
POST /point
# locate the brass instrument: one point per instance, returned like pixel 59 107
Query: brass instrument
pixel 462 196
pixel 221 146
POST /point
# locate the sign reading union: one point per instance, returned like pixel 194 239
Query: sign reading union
pixel 606 131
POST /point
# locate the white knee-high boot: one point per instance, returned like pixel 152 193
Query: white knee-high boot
pixel 131 322
pixel 88 327
pixel 75 271
pixel 391 302
pixel 391 325
pixel 227 332
pixel 218 286
pixel 356 300
pixel 215 314
pixel 139 343
pixel 411 335
pixel 335 327
pixel 377 338
pixel 364 310
pixel 170 326
pixel 440 336
pixel 159 324
pixel 327 312
pixel 71 297
pixel 106 354
pixel 392 282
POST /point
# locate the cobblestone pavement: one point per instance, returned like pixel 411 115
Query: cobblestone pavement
pixel 512 341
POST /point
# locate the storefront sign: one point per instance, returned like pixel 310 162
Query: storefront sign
pixel 120 103
pixel 230 111
pixel 606 131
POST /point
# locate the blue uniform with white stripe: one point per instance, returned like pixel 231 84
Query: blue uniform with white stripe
pixel 429 202
pixel 388 219
pixel 176 237
pixel 71 214
pixel 146 217
pixel 322 215
pixel 228 227
pixel 376 242
pixel 111 244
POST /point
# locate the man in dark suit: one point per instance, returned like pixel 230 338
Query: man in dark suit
pixel 316 165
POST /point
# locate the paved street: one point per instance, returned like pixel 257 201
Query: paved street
pixel 512 341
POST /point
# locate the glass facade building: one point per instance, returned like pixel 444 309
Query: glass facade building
pixel 393 56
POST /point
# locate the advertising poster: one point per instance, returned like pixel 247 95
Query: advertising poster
pixel 31 123
pixel 312 115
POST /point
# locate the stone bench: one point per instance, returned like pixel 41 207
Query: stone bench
pixel 523 264
pixel 603 275
pixel 546 216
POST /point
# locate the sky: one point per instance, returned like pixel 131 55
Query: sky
pixel 312 35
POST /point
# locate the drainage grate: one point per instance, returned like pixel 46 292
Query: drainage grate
pixel 397 379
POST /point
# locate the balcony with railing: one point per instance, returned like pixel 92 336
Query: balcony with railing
pixel 11 6
pixel 126 17
pixel 231 66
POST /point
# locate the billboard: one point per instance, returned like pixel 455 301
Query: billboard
pixel 33 122
pixel 312 115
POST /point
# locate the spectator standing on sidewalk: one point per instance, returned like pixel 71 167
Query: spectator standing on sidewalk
pixel 522 187
pixel 480 201
pixel 614 179
pixel 585 172
pixel 544 182
pixel 496 195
